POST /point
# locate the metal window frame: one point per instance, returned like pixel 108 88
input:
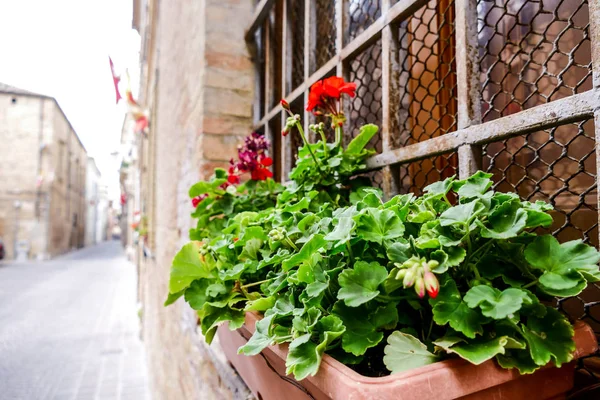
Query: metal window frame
pixel 471 132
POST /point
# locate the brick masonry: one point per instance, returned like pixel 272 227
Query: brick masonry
pixel 197 81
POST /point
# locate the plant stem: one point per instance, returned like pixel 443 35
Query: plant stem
pixel 530 284
pixel 301 130
pixel 350 252
pixel 289 241
pixel 338 135
pixel 430 328
pixel 255 283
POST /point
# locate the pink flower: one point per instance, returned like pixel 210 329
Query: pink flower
pixel 431 284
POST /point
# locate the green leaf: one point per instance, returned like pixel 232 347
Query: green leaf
pixel 404 352
pixel 449 308
pixel 306 321
pixel 173 297
pixel 507 221
pixel 478 350
pixel 440 187
pixel 316 243
pixel 196 295
pixel 376 225
pixel 359 142
pixel 262 304
pixel 398 252
pixel 461 214
pixel 363 325
pixel 260 339
pixel 474 186
pixel 359 285
pixel 213 316
pixel 449 257
pixel 565 266
pixel 520 359
pixel 187 267
pixel 343 230
pixel 494 303
pixel 251 248
pixel 550 338
pixel 304 357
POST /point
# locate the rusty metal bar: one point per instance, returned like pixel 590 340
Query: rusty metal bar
pixel 399 11
pixel 389 82
pixel 339 34
pixel 285 149
pixel 468 90
pixel 308 42
pixel 558 112
pixel 261 12
pixel 594 9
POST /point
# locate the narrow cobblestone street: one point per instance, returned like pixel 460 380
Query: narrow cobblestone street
pixel 69 328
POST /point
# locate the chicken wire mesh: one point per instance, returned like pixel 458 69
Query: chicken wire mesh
pixel 427 76
pixel 414 176
pixel 295 20
pixel 365 107
pixel 532 52
pixel 275 31
pixel 360 15
pixel 558 166
pixel 325 35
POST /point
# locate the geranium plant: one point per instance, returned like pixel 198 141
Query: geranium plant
pixel 381 286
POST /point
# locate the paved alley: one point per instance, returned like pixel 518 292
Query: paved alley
pixel 69 328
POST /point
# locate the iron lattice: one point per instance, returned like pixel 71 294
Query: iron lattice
pixel 532 52
pixel 361 14
pixel 365 107
pixel 427 77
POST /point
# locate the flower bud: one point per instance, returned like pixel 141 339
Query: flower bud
pixel 432 264
pixel 432 285
pixel 401 274
pixel 284 104
pixel 409 278
pixel 284 132
pixel 420 287
pixel 277 234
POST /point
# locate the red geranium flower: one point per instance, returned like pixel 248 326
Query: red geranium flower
pixel 335 86
pixel 233 179
pixel 261 174
pixel 322 93
pixel 315 97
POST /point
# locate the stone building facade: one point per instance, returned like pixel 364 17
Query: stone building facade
pixel 43 171
pixel 197 82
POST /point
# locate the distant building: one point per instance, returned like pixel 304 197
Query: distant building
pixel 42 173
pixel 96 198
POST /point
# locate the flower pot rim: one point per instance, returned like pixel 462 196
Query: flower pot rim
pixel 584 337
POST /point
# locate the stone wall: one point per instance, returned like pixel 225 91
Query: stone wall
pixel 37 199
pixel 197 81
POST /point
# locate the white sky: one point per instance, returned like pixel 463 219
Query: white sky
pixel 60 48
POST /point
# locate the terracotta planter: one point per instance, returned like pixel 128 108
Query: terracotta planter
pixel 450 379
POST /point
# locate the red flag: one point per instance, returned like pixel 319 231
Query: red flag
pixel 116 79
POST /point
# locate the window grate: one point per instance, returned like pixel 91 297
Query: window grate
pixel 524 109
pixel 532 52
pixel 325 35
pixel 361 14
pixel 365 107
pixel 296 43
pixel 427 80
